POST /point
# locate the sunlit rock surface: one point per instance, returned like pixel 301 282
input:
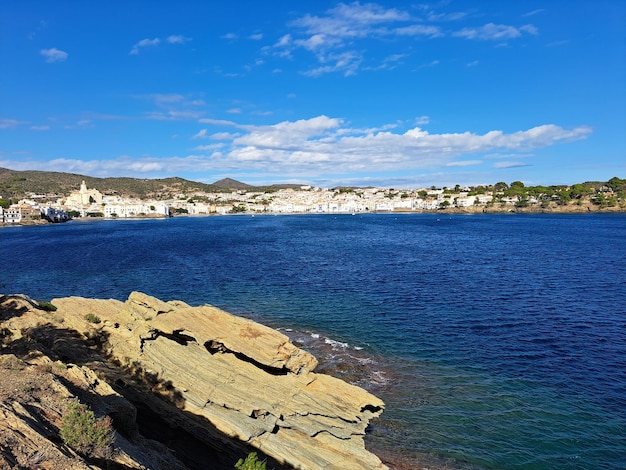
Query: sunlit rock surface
pixel 243 379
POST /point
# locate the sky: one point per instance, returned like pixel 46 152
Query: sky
pixel 385 93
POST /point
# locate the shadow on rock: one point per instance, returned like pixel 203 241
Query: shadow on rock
pixel 141 405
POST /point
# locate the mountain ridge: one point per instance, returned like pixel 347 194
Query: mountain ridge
pixel 18 183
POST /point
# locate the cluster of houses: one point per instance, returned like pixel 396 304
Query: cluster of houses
pixel 22 212
pixel 87 202
pixel 363 200
pixel 82 203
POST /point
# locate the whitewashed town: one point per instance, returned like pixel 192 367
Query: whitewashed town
pixel 90 202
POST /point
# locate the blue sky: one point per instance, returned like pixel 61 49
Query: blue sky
pixel 388 93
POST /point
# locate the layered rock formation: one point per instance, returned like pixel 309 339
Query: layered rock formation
pixel 231 380
pixel 36 388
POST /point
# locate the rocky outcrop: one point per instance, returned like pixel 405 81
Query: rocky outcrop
pixel 36 389
pixel 222 379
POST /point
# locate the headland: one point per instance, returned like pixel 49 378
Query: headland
pixel 183 387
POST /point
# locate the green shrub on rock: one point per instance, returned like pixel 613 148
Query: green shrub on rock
pixel 250 463
pixel 86 434
pixel 47 306
pixel 92 318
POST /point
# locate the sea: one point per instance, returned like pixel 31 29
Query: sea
pixel 497 341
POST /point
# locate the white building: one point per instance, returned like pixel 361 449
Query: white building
pixel 465 201
pixel 12 215
pixel 54 215
pixel 84 196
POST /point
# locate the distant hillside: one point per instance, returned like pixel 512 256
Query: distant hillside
pixel 16 184
pixel 229 183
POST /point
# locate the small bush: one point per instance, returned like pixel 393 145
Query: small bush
pixel 92 318
pixel 47 306
pixel 250 463
pixel 5 333
pixel 87 435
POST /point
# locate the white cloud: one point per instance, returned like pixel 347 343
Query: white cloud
pixel 10 123
pixel 81 124
pixel 328 35
pixel 324 144
pixel 123 165
pixel 202 134
pixel 185 115
pixel 395 58
pixel 144 43
pixel 173 115
pixel 204 148
pixel 346 62
pixel 419 30
pixel 464 163
pixel 343 30
pixel 369 13
pixel 163 98
pixel 315 42
pixel 178 39
pixel 284 41
pixel 530 29
pixel 172 107
pixel 495 32
pixel 256 37
pixel 40 128
pixel 54 55
pixel 508 155
pixel 446 16
pixel 501 165
pixel 534 12
pixel 224 136
pixel 287 134
pixel 430 64
pixel 326 147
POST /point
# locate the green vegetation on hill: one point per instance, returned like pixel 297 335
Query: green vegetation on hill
pixel 606 194
pixel 18 184
pixel 15 184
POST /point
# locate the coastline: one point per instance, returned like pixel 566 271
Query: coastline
pixel 585 208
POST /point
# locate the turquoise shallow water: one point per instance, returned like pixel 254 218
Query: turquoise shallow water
pixel 497 341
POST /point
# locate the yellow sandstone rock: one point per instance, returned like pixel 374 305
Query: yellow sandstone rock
pixel 246 380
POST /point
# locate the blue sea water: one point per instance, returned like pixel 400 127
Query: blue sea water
pixel 496 341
